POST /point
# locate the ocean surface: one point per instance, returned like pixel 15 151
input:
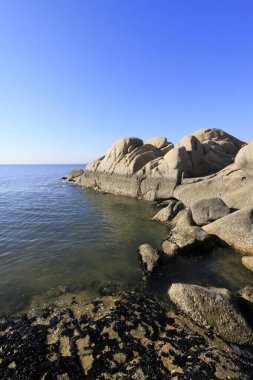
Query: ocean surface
pixel 58 237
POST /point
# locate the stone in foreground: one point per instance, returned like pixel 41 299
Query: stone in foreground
pixel 212 307
pixel 206 211
pixel 235 229
pixel 125 336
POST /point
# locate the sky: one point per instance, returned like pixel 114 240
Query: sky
pixel 77 75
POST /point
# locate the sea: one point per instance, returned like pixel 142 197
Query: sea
pixel 58 237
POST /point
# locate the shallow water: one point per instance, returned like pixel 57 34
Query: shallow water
pixel 55 234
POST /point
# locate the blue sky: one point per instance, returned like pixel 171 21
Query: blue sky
pixel 76 75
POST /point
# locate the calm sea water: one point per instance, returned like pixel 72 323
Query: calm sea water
pixel 55 234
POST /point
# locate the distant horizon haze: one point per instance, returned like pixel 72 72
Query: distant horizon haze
pixel 77 76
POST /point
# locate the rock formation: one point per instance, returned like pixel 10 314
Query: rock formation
pixel 208 173
pixel 152 169
pixel 215 308
pixel 235 229
pixel 206 211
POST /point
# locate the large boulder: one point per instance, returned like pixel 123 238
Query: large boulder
pixel 153 169
pixel 235 229
pixel 244 159
pixel 233 184
pixel 212 307
pixel 206 211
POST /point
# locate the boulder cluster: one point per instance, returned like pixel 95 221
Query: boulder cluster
pixel 204 188
pixel 205 181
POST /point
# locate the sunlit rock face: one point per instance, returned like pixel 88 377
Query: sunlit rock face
pixel 152 169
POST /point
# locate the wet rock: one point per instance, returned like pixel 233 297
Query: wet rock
pixel 206 211
pixel 248 262
pixel 170 248
pixel 235 229
pixel 212 307
pixel 247 293
pixel 169 212
pixel 149 257
pixel 187 239
pixel 128 336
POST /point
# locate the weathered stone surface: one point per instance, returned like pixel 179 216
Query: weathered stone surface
pixel 170 248
pixel 74 173
pixel 233 184
pixel 154 169
pixel 235 229
pixel 183 219
pixel 186 239
pixel 149 257
pixel 244 158
pixel 169 212
pixel 206 211
pixel 248 262
pixel 212 307
pixel 247 294
pixel 159 142
pixel 124 336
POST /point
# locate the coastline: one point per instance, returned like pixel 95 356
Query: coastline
pixel 196 331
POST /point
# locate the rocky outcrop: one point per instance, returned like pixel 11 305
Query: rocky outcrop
pixel 74 174
pixel 233 184
pixel 153 169
pixel 247 261
pixel 215 308
pixel 206 211
pixel 235 229
pixel 149 257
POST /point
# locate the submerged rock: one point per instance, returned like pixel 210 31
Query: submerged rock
pixel 149 257
pixel 128 336
pixel 235 229
pixel 206 211
pixel 212 307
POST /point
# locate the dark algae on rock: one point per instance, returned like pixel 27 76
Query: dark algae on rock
pixel 123 336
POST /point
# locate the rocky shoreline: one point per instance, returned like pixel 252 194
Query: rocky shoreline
pixel 117 336
pixel 202 190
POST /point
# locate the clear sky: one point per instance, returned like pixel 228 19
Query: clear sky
pixel 76 75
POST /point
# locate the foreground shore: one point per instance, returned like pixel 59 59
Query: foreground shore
pixel 117 336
